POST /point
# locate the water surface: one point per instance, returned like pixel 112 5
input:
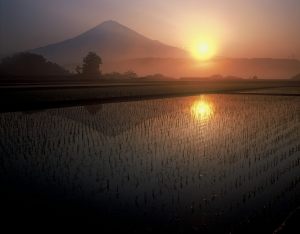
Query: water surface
pixel 206 163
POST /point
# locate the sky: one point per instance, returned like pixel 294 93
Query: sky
pixel 236 28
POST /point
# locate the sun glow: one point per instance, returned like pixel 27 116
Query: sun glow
pixel 202 110
pixel 203 50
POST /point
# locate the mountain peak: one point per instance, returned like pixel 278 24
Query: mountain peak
pixel 111 25
pixel 110 39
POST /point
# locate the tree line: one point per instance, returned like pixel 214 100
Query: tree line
pixel 30 64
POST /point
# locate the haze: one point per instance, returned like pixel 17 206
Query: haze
pixel 257 28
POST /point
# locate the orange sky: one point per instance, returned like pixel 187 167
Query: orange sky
pixel 236 28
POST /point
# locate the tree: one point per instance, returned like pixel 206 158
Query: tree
pixel 78 70
pixel 91 65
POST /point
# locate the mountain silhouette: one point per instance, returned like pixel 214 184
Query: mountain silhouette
pixel 112 41
pixel 123 49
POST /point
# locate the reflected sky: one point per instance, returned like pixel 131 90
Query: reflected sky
pixel 153 158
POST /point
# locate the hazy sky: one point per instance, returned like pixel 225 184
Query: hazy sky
pixel 239 28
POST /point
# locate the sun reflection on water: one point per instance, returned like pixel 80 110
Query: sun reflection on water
pixel 202 110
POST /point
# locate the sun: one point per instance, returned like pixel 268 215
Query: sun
pixel 203 50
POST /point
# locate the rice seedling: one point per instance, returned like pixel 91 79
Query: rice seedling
pixel 200 159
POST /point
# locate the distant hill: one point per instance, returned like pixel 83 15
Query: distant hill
pixel 213 78
pixel 263 68
pixel 30 65
pixel 296 77
pixel 112 41
pixel 156 77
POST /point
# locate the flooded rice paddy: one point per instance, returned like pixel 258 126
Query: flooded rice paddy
pixel 209 163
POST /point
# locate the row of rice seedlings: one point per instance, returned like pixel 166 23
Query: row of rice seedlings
pixel 155 154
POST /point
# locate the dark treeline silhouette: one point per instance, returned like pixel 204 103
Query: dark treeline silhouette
pixel 157 77
pixel 216 77
pixel 296 77
pixel 29 64
pixel 120 76
pixel 32 67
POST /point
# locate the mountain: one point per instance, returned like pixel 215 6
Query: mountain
pixel 112 41
pixel 122 49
